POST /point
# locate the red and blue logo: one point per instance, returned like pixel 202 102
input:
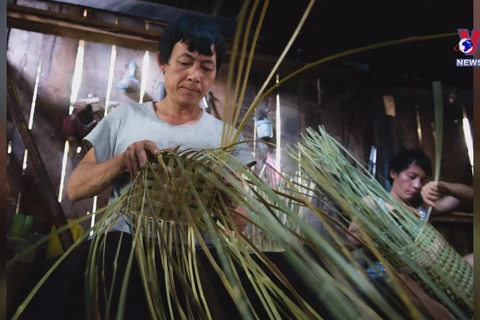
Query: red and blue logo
pixel 468 43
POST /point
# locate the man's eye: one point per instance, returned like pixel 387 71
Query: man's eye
pixel 207 69
pixel 183 63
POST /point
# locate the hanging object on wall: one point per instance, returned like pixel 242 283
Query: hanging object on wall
pixel 130 83
pixel 264 126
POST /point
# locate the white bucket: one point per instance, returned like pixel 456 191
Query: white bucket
pixel 264 128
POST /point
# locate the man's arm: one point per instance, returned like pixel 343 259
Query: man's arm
pixel 91 177
pixel 445 197
pixel 460 191
pixel 354 227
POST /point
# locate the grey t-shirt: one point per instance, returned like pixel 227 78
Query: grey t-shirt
pixel 132 122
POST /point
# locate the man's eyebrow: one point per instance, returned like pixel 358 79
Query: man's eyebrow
pixel 186 54
pixel 190 56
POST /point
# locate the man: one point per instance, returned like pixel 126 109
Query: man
pixel 190 54
pixel 409 171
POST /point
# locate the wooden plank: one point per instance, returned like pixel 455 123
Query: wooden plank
pixel 425 108
pixel 455 165
pixel 24 50
pixel 41 174
pixel 68 25
pixel 309 103
pixel 154 79
pixel 24 73
pixel 406 117
pixel 289 122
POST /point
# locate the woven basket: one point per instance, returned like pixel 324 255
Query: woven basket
pixel 438 260
pixel 169 191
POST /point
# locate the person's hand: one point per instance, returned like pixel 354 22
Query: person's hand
pixel 135 157
pixel 225 198
pixel 354 230
pixel 431 193
pixel 226 203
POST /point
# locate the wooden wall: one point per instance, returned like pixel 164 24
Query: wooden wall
pixel 341 103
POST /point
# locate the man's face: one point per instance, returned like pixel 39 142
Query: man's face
pixel 408 183
pixel 188 75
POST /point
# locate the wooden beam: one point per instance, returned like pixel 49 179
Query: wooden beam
pixel 40 172
pixel 450 219
pixel 67 25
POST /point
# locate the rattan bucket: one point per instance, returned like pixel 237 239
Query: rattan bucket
pixel 434 255
pixel 169 194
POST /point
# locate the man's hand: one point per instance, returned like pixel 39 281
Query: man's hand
pixel 229 202
pixel 354 227
pixel 446 197
pixel 238 213
pixel 135 157
pixel 431 193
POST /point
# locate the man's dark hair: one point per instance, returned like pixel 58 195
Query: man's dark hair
pixel 198 32
pixel 402 160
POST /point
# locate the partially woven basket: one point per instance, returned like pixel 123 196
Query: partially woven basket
pixel 434 255
pixel 169 194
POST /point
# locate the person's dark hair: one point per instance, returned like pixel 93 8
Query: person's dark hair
pixel 402 160
pixel 198 32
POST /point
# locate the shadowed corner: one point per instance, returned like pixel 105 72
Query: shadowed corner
pixel 3 147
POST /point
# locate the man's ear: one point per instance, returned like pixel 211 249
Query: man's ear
pixel 159 62
pixel 393 174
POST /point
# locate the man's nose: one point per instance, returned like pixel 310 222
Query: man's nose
pixel 417 184
pixel 194 74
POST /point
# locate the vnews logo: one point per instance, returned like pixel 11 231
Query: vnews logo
pixel 468 45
